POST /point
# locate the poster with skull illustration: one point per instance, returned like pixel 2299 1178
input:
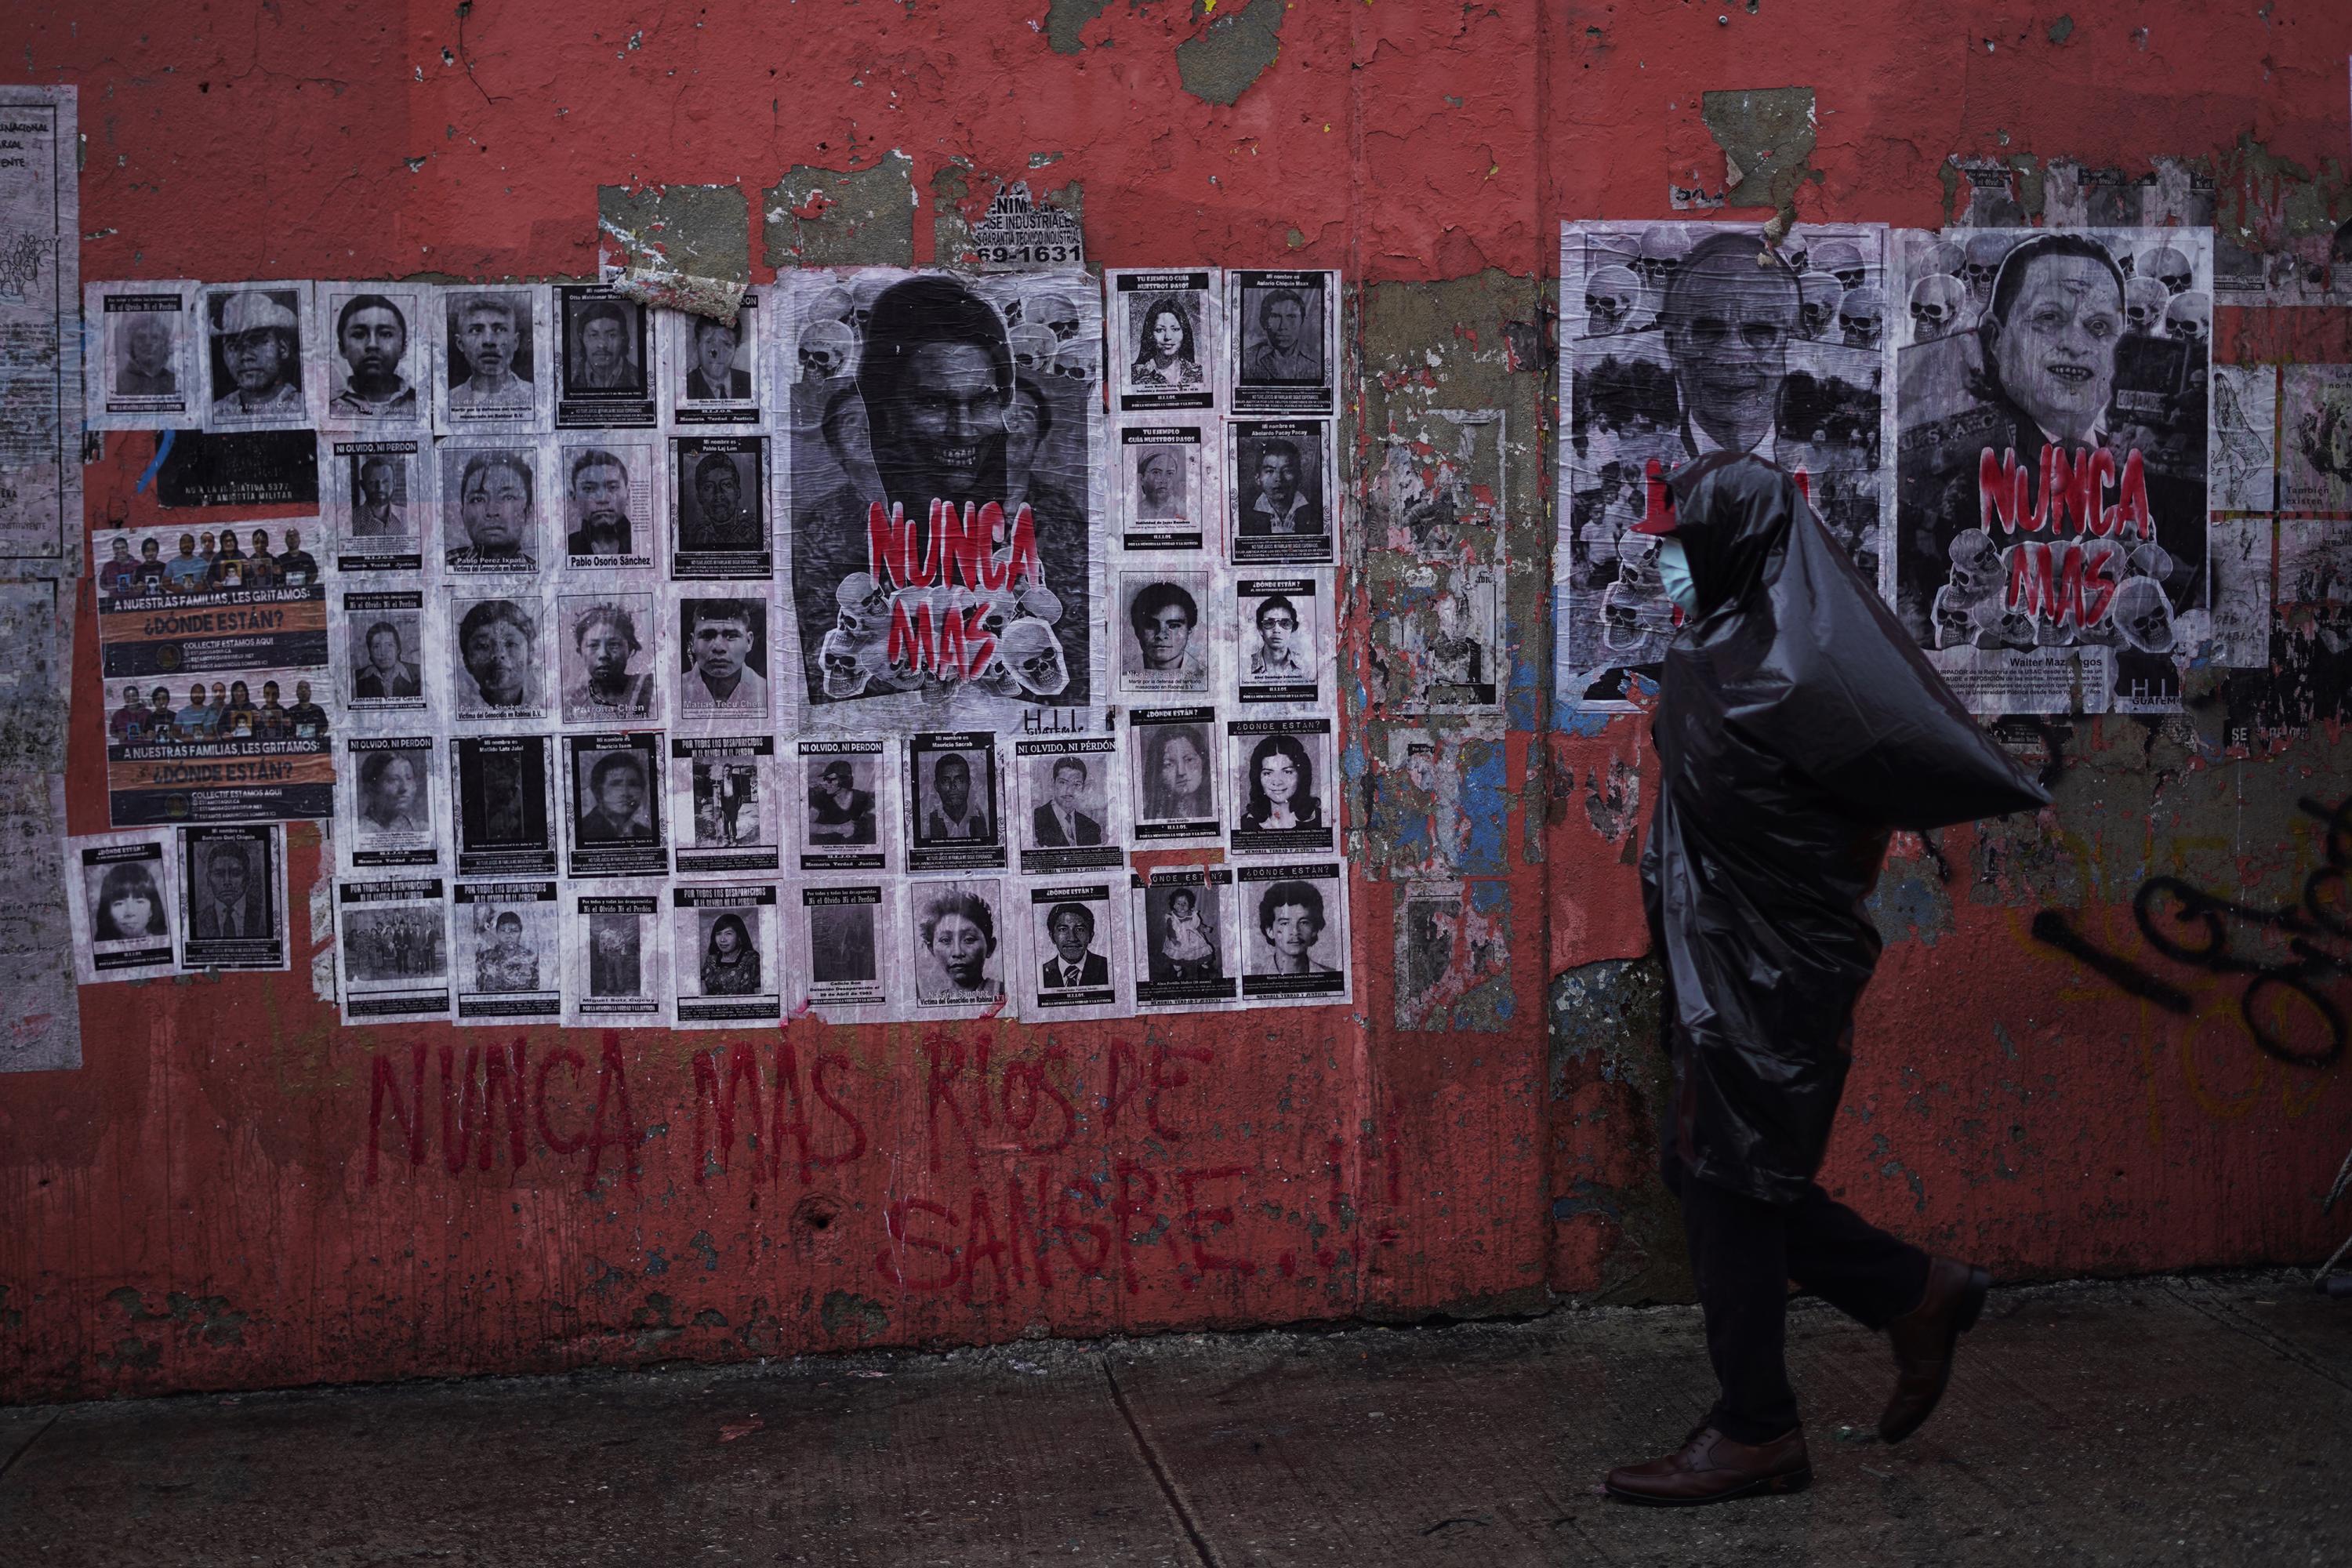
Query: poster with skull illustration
pixel 2050 537
pixel 1682 339
pixel 945 444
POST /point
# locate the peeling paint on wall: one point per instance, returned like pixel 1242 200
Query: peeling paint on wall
pixel 688 247
pixel 842 217
pixel 1221 62
pixel 1767 137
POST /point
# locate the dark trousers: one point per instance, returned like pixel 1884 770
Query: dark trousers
pixel 1745 1251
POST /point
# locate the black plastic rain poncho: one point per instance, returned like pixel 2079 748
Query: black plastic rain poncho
pixel 1798 725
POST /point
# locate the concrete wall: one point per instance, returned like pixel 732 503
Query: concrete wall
pixel 236 1192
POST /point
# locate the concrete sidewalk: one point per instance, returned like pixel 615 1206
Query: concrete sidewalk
pixel 2204 1420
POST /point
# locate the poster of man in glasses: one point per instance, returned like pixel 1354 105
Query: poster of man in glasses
pixel 2049 524
pixel 1679 339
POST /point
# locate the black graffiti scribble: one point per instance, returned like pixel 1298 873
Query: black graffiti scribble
pixel 2190 926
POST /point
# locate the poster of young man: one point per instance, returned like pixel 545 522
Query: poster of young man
pixel 1678 339
pixel 1284 802
pixel 122 898
pixel 612 784
pixel 840 935
pixel 2051 517
pixel 232 896
pixel 1281 481
pixel 1180 921
pixel 380 638
pixel 379 356
pixel 844 814
pixel 498 657
pixel 503 786
pixel 956 939
pixel 392 949
pixel 508 952
pixel 607 662
pixel 140 369
pixel 1167 645
pixel 254 335
pixel 1443 643
pixel 493 379
pixel 1172 791
pixel 1169 487
pixel 1294 920
pixel 374 506
pixel 1285 649
pixel 1071 963
pixel 616 956
pixel 1164 337
pixel 1070 788
pixel 727 958
pixel 1283 332
pixel 493 509
pixel 719 518
pixel 604 373
pixel 611 485
pixel 390 811
pixel 712 370
pixel 722 659
pixel 723 797
pixel 954 817
pixel 945 561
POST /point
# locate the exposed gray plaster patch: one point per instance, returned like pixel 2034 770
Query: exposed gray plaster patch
pixel 842 217
pixel 1767 137
pixel 1065 19
pixel 684 246
pixel 1219 65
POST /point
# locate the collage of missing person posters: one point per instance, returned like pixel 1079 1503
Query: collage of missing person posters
pixel 1072 961
pixel 140 371
pixel 616 958
pixel 612 489
pixel 232 896
pixel 718 508
pixel 123 899
pixel 613 787
pixel 502 790
pixel 378 359
pixel 392 949
pixel 1181 920
pixel 494 375
pixel 958 939
pixel 1282 336
pixel 1448 648
pixel 722 657
pixel 2050 540
pixel 714 372
pixel 1068 799
pixel 605 371
pixel 608 667
pixel 499 656
pixel 727 959
pixel 953 798
pixel 946 430
pixel 383 675
pixel 1283 784
pixel 250 364
pixel 1166 645
pixel 1282 491
pixel 843 930
pixel 1285 626
pixel 1170 485
pixel 375 503
pixel 212 647
pixel 844 803
pixel 1165 337
pixel 1293 919
pixel 492 510
pixel 726 812
pixel 393 808
pixel 1675 342
pixel 507 951
pixel 1171 761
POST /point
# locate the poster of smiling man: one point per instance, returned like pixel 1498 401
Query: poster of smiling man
pixel 1679 339
pixel 944 563
pixel 2050 531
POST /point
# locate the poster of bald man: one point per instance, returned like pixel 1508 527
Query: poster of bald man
pixel 494 378
pixel 1678 339
pixel 378 357
pixel 255 338
pixel 2051 485
pixel 140 372
pixel 945 460
pixel 1283 332
pixel 603 376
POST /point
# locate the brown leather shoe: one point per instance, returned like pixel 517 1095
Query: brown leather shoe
pixel 1711 1468
pixel 1924 1339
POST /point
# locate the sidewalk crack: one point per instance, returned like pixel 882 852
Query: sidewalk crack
pixel 26 1446
pixel 1159 1471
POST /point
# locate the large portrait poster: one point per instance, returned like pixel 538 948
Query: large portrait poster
pixel 2049 527
pixel 944 568
pixel 1678 339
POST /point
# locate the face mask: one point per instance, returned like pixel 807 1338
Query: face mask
pixel 1674 569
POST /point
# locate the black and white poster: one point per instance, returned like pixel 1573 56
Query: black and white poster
pixel 726 954
pixel 1067 813
pixel 723 659
pixel 613 787
pixel 945 527
pixel 1282 487
pixel 1294 931
pixel 503 790
pixel 1170 486
pixel 840 795
pixel 392 949
pixel 1071 960
pixel 1285 649
pixel 499 657
pixel 1181 920
pixel 254 336
pixel 842 933
pixel 954 818
pixel 1166 647
pixel 508 952
pixel 379 638
pixel 956 933
pixel 1173 776
pixel 232 896
pixel 719 515
pixel 1164 339
pixel 713 369
pixel 494 377
pixel 139 372
pixel 493 509
pixel 604 374
pixel 616 956
pixel 379 356
pixel 392 811
pixel 1283 332
pixel 1283 797
pixel 376 503
pixel 122 895
pixel 612 485
pixel 724 797
pixel 608 664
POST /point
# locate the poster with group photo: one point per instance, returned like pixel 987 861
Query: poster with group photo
pixel 255 335
pixel 953 798
pixel 1069 789
pixel 1180 919
pixel 374 502
pixel 616 955
pixel 180 601
pixel 1283 337
pixel 842 805
pixel 843 930
pixel 956 936
pixel 138 369
pixel 1284 802
pixel 611 488
pixel 232 909
pixel 712 371
pixel 1293 921
pixel 1170 485
pixel 493 373
pixel 508 952
pixel 1073 959
pixel 1163 329
pixel 393 804
pixel 604 373
pixel 379 358
pixel 123 896
pixel 392 949
pixel 726 801
pixel 726 954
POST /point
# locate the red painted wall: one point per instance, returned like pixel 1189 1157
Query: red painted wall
pixel 233 1191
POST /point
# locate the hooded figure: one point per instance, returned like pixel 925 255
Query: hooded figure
pixel 1798 725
